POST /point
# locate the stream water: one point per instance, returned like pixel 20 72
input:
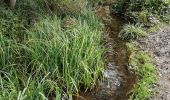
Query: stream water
pixel 117 79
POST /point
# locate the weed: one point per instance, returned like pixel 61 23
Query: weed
pixel 51 62
pixel 131 32
pixel 60 52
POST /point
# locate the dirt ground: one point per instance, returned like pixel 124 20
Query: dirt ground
pixel 158 45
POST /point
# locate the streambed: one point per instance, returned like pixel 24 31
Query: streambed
pixel 117 79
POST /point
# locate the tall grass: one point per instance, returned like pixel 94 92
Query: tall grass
pixel 51 61
pixel 77 48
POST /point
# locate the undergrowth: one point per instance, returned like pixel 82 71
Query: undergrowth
pixel 141 10
pixel 42 59
pixel 148 14
pixel 142 65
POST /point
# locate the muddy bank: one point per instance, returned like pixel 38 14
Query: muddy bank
pixel 158 45
pixel 117 79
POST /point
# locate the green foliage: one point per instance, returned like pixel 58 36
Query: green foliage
pixel 69 49
pixel 10 20
pixel 144 58
pixel 132 9
pixel 42 59
pixel 131 32
pixel 15 21
pixel 144 67
pixel 124 6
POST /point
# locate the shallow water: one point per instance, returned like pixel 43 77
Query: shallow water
pixel 118 80
pixel 121 57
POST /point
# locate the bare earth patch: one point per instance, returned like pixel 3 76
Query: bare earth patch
pixel 158 45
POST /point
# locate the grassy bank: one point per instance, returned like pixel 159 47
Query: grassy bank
pixel 143 66
pixel 43 56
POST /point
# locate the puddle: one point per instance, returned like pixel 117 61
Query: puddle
pixel 117 79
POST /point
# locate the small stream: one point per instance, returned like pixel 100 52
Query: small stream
pixel 119 60
pixel 117 79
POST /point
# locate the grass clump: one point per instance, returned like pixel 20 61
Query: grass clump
pixel 131 32
pixel 52 62
pixel 44 59
pixel 67 50
pixel 144 67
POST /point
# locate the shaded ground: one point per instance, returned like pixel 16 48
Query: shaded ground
pixel 158 45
